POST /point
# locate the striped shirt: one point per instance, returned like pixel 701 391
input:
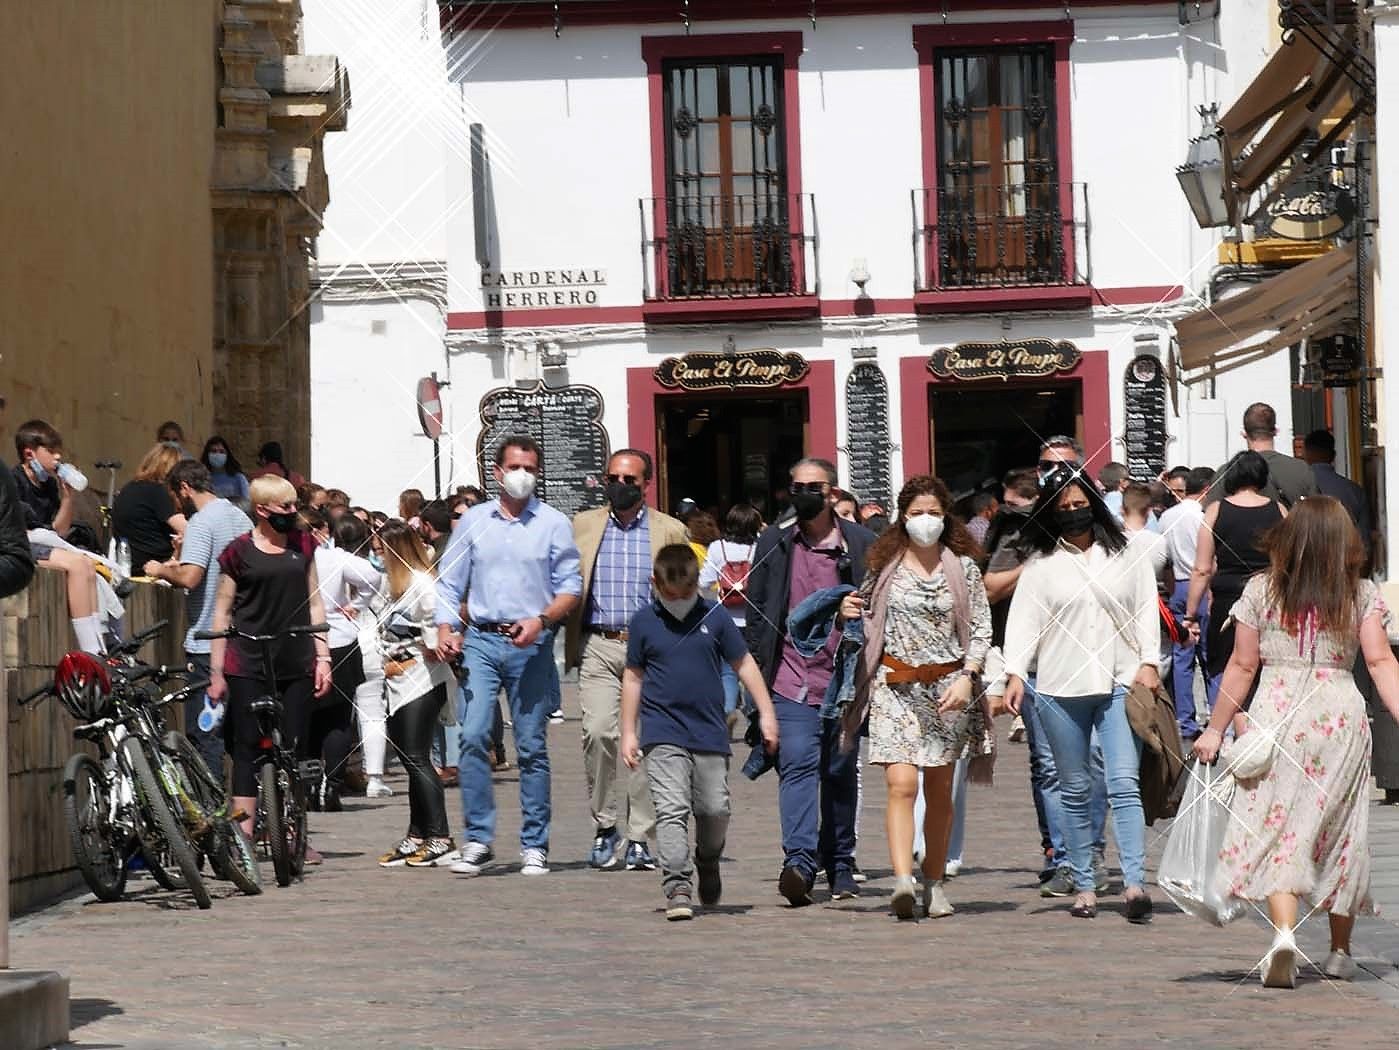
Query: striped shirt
pixel 622 574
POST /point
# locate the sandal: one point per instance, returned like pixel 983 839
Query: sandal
pixel 1085 907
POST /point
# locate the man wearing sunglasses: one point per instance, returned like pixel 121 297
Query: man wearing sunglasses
pixel 618 545
pixel 817 787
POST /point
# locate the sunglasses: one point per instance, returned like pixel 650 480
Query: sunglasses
pixel 456 517
pixel 621 479
pixel 807 486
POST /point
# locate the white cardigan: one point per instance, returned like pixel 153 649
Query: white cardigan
pixel 1083 620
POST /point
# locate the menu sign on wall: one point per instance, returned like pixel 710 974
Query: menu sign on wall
pixel 731 370
pixel 566 421
pixel 1025 358
pixel 1145 431
pixel 867 424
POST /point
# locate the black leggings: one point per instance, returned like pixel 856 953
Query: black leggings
pixel 240 726
pixel 332 738
pixel 410 731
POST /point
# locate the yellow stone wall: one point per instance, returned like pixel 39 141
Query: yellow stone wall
pixel 106 267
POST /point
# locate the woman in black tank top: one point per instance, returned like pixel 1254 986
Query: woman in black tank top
pixel 1228 555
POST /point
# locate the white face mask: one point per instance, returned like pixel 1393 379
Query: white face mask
pixel 518 483
pixel 681 608
pixel 924 529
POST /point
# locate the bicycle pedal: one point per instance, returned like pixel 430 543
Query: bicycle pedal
pixel 238 816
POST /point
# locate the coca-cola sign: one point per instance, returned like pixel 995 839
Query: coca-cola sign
pixel 1313 213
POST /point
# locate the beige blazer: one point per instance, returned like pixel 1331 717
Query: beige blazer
pixel 588 527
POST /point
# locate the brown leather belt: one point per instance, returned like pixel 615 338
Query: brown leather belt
pixel 616 636
pixel 900 673
pixel 488 627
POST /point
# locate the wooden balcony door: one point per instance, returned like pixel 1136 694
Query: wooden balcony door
pixel 727 218
pixel 997 196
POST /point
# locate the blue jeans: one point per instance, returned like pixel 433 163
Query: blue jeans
pixel 527 675
pixel 1069 724
pixel 733 692
pixel 816 790
pixel 1045 785
pixel 1184 657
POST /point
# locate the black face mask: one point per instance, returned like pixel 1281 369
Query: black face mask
pixel 1074 522
pixel 281 522
pixel 808 504
pixel 623 495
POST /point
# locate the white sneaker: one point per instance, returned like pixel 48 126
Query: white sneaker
pixel 1280 964
pixel 474 858
pixel 1340 966
pixel 535 862
pixel 556 719
pixel 953 869
pixel 377 789
pixel 935 902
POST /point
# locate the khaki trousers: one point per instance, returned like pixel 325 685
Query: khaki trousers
pixel 600 695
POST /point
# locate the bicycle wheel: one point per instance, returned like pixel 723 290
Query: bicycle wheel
pixel 233 855
pixel 270 803
pixel 164 816
pixel 87 805
pixel 202 787
pixel 294 820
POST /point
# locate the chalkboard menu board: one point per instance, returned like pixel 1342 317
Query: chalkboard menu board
pixel 867 423
pixel 1145 430
pixel 566 421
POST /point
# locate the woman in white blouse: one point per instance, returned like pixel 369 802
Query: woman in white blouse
pixel 416 684
pixel 1084 619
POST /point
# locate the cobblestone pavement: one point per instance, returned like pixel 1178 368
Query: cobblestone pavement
pixel 361 957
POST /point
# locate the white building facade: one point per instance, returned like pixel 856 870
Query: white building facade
pixel 904 240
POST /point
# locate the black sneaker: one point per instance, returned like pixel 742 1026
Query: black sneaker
pixel 843 886
pixel 1061 884
pixel 795 885
pixel 711 885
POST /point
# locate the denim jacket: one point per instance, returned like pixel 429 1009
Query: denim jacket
pixel 810 625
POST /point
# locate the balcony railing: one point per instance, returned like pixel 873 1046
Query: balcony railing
pixel 728 247
pixel 1294 14
pixel 987 237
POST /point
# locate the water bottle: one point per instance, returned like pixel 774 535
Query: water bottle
pixel 124 558
pixel 71 476
pixel 211 717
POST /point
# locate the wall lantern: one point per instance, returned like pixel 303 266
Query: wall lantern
pixel 1202 176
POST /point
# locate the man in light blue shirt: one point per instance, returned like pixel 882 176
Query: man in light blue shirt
pixel 515 561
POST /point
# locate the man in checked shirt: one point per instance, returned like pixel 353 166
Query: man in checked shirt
pixel 618 545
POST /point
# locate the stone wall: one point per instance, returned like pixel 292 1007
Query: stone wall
pixel 36 633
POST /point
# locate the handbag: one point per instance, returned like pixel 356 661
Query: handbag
pixel 1249 757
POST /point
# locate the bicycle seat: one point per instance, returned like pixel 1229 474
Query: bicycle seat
pixel 266 705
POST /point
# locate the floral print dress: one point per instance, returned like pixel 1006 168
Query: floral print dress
pixel 919 629
pixel 1303 827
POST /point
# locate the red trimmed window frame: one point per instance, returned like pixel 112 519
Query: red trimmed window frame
pixel 927 40
pixel 656 50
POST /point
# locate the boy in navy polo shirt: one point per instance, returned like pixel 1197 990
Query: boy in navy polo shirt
pixel 672 682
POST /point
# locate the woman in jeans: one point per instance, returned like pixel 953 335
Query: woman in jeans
pixel 416 683
pixel 269 584
pixel 1084 616
pixel 735 548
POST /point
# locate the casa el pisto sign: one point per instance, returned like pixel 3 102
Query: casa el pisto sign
pixel 717 370
pixel 1025 358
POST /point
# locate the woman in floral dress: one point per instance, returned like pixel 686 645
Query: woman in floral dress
pixel 1301 829
pixel 927 631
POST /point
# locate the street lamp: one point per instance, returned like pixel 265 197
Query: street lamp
pixel 1202 177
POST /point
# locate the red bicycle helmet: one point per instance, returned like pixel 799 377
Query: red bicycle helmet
pixel 83 686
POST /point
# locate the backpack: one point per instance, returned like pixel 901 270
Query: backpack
pixel 733 581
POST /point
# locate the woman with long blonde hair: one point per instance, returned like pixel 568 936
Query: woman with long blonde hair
pixel 416 684
pixel 1300 824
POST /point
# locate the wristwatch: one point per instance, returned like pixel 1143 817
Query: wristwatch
pixel 546 623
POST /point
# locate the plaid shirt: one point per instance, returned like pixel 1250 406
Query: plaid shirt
pixel 622 574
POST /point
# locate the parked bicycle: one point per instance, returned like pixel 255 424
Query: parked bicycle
pixel 282 780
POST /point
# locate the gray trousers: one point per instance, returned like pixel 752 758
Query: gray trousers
pixel 600 700
pixel 685 782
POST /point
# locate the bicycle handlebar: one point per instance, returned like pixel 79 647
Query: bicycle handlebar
pixel 290 632
pixel 133 644
pixel 37 695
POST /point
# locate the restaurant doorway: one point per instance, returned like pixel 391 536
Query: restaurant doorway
pixel 720 450
pixel 980 432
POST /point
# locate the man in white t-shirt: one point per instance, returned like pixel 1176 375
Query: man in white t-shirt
pixel 213 523
pixel 1180 528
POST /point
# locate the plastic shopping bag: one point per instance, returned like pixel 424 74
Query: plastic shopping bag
pixel 1190 868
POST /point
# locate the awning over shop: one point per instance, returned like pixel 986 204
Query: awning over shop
pixel 1302 88
pixel 1308 301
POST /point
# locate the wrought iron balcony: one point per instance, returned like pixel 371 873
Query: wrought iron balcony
pixel 1294 14
pixel 992 237
pixel 728 247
